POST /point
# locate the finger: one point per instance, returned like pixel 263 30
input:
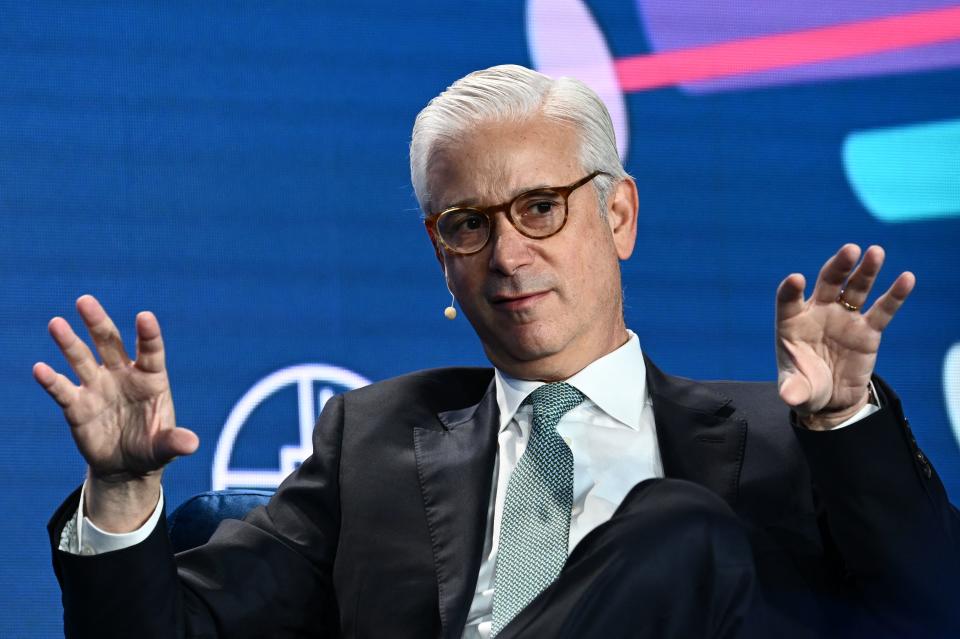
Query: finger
pixel 790 296
pixel 834 273
pixel 889 303
pixel 74 349
pixel 57 386
pixel 105 335
pixel 174 442
pixel 150 352
pixel 858 286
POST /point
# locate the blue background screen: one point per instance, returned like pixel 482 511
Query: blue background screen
pixel 242 172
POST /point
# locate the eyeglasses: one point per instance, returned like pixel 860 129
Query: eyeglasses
pixel 536 214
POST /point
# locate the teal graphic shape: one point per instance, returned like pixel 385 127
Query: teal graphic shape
pixel 906 173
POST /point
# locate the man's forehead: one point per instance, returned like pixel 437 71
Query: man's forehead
pixel 495 190
pixel 492 166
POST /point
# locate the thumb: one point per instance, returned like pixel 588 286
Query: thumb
pixel 175 442
pixel 795 390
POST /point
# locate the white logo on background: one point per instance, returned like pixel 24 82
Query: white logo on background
pixel 306 378
pixel 951 387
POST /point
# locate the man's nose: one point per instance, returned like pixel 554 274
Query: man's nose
pixel 509 249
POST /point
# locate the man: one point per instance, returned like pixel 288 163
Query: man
pixel 576 490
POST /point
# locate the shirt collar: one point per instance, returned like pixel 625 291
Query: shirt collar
pixel 615 383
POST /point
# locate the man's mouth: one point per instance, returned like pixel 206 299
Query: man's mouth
pixel 517 302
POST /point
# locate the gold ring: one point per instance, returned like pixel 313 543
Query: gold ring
pixel 844 303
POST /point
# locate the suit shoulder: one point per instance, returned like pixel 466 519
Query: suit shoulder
pixel 435 390
pixel 759 402
pixel 724 396
pixel 764 391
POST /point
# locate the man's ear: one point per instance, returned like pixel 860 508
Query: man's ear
pixel 622 207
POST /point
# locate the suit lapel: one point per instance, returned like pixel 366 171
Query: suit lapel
pixel 701 438
pixel 455 467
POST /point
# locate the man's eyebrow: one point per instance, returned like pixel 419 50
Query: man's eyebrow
pixel 473 202
pixel 469 202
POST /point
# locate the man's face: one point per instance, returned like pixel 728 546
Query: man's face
pixel 545 308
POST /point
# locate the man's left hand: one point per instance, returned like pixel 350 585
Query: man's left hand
pixel 827 348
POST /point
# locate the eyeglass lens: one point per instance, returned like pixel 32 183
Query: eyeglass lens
pixel 536 214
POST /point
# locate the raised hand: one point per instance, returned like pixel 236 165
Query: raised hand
pixel 121 415
pixel 827 348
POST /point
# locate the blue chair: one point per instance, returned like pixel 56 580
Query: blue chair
pixel 194 521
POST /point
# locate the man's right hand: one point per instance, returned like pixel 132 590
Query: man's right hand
pixel 121 415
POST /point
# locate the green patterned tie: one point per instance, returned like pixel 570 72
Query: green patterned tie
pixel 535 528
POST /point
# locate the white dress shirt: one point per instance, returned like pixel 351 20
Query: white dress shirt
pixel 614 443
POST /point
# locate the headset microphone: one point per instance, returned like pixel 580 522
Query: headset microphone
pixel 450 312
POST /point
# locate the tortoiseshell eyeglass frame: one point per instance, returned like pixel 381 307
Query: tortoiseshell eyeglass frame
pixel 431 222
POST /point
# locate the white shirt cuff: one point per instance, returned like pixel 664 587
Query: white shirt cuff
pixel 82 537
pixel 869 409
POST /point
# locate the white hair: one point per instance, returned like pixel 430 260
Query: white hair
pixel 511 93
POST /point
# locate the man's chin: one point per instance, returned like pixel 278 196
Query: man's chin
pixel 524 350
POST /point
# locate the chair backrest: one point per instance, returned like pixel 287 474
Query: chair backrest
pixel 194 521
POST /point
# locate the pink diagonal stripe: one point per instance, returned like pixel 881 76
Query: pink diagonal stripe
pixel 763 53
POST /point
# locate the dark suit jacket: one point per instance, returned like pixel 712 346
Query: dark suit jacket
pixel 380 532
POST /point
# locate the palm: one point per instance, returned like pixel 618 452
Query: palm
pixel 825 352
pixel 121 415
pixel 115 420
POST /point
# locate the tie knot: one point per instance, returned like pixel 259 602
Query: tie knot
pixel 552 401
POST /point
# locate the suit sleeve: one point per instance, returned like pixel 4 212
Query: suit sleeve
pixel 887 513
pixel 269 575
